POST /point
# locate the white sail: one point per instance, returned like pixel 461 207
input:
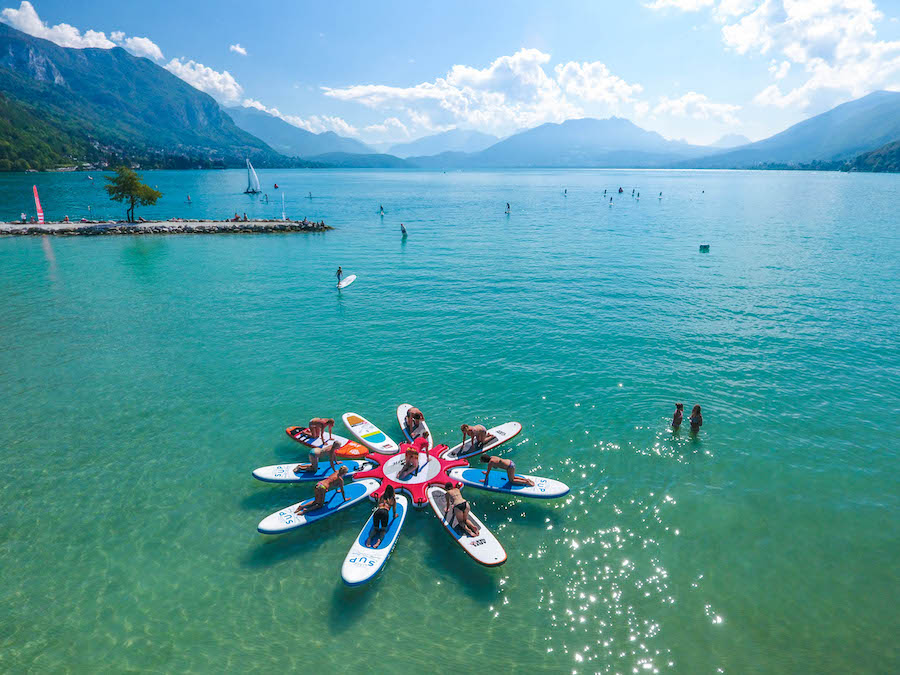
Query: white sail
pixel 252 179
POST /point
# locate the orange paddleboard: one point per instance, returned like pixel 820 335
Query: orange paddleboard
pixel 353 450
pixel 350 449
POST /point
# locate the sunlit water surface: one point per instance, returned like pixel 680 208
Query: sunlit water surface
pixel 142 379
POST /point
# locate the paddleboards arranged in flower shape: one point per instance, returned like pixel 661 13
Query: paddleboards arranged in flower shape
pixel 417 470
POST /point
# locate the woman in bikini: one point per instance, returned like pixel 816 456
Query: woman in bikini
pixel 477 433
pixel 318 425
pixel 413 417
pixel 335 480
pixel 380 521
pixel 509 465
pixel 461 510
pixel 411 456
pixel 696 419
pixel 315 453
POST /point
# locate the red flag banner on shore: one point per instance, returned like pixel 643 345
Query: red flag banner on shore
pixel 37 205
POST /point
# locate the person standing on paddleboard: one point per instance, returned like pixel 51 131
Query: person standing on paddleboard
pixel 339 274
pixel 508 465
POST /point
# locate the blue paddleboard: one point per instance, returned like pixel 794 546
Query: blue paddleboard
pixel 286 520
pixel 362 562
pixel 498 481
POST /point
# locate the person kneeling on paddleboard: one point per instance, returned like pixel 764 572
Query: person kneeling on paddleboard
pixel 478 433
pixel 318 425
pixel 509 465
pixel 461 510
pixel 335 480
pixel 413 417
pixel 411 456
pixel 380 519
pixel 314 455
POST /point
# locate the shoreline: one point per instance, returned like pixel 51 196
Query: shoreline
pixel 173 226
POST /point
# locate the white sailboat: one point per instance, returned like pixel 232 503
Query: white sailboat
pixel 252 180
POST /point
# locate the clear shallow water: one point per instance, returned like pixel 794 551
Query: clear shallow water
pixel 142 379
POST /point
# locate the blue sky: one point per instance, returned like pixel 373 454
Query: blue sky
pixel 390 72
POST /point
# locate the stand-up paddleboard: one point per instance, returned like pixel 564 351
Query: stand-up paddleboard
pixel 346 282
pixel 284 473
pixel 498 481
pixel 369 435
pixel 362 562
pixel 422 427
pixel 286 520
pixel 348 448
pixel 484 549
pixel 501 434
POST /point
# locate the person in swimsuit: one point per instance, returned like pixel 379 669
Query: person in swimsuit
pixel 318 425
pixel 411 456
pixel 509 465
pixel 413 417
pixel 696 419
pixel 461 510
pixel 335 480
pixel 679 415
pixel 478 434
pixel 315 453
pixel 339 274
pixel 380 521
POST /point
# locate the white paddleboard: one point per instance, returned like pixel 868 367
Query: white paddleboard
pixel 498 481
pixel 422 427
pixel 501 434
pixel 483 549
pixel 362 562
pixel 347 281
pixel 286 520
pixel 284 473
pixel 369 435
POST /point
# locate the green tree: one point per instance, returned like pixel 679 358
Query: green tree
pixel 126 186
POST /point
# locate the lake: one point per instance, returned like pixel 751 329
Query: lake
pixel 142 379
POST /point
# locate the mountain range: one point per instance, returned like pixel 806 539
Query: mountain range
pixel 62 107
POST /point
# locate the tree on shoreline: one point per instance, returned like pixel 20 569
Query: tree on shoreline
pixel 126 186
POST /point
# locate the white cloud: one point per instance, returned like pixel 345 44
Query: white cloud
pixel 834 42
pixel 779 70
pixel 512 92
pixel 391 128
pixel 594 82
pixel 221 86
pixel 26 19
pixel 237 49
pixel 699 107
pixel 683 5
pixel 314 123
pixel 141 46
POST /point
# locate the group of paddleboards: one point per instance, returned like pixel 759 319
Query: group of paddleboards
pixel 334 459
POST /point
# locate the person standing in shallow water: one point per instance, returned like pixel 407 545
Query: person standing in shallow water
pixel 696 419
pixel 679 416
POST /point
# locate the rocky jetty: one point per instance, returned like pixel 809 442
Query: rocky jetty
pixel 174 226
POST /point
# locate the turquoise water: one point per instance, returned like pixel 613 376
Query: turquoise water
pixel 142 379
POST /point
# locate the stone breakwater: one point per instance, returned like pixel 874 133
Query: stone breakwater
pixel 162 227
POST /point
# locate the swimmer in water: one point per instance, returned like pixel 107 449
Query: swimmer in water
pixel 679 415
pixel 403 230
pixel 696 420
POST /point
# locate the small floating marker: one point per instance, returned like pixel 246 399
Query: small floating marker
pixel 704 248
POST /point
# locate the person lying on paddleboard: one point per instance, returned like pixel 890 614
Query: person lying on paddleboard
pixel 318 425
pixel 380 520
pixel 414 417
pixel 315 453
pixel 509 465
pixel 679 415
pixel 478 434
pixel 411 456
pixel 461 510
pixel 335 480
pixel 696 419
